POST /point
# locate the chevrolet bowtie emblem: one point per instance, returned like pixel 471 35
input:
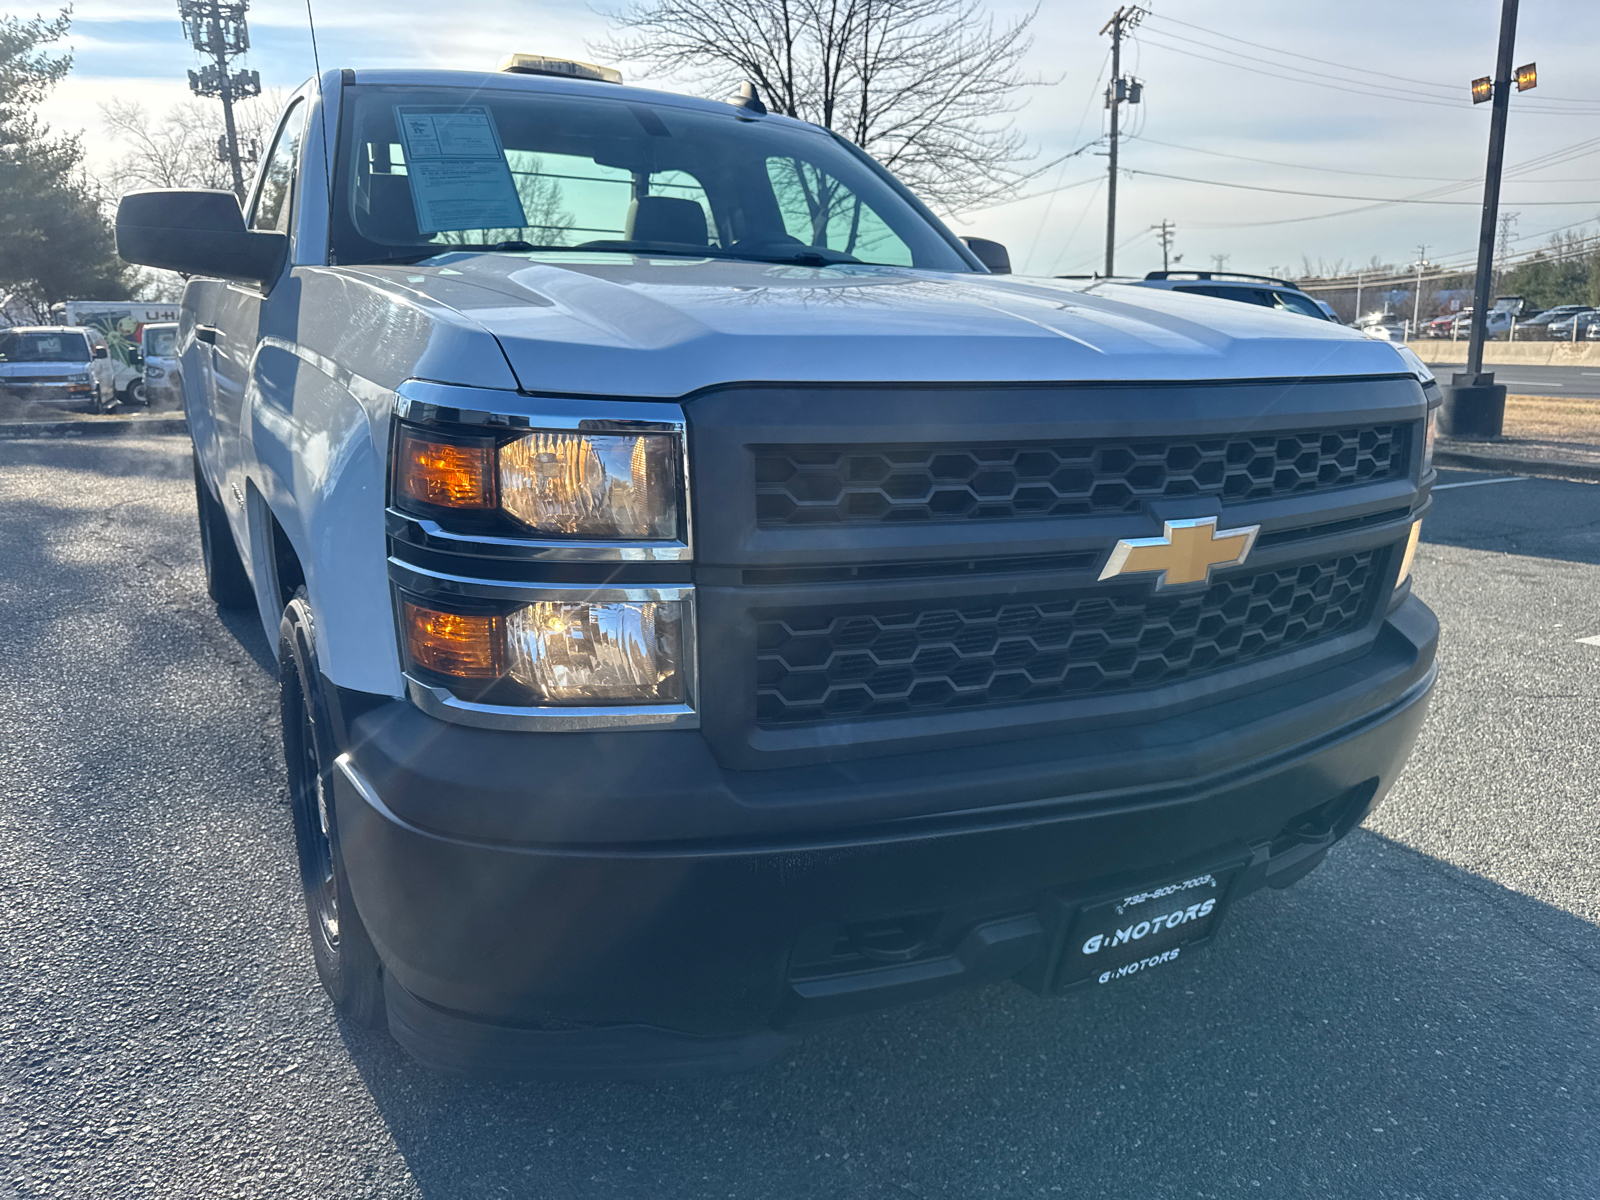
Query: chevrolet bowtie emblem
pixel 1185 553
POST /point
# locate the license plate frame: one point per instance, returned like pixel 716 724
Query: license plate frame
pixel 1113 937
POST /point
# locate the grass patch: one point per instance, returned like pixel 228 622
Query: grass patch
pixel 1553 419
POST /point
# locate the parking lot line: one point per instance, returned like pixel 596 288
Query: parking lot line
pixel 1590 641
pixel 1445 487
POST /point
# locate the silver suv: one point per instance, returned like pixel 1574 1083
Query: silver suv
pixel 1246 289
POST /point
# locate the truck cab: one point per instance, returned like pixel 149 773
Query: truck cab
pixel 711 603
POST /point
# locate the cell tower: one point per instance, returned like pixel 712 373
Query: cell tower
pixel 216 28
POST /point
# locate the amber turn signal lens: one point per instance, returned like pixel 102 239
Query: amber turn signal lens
pixel 466 645
pixel 445 474
pixel 1410 552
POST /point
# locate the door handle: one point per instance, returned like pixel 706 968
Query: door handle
pixel 206 333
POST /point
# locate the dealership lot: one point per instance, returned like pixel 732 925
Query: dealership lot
pixel 1417 1018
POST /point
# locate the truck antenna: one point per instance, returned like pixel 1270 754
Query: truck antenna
pixel 322 113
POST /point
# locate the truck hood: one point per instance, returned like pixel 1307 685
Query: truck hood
pixel 612 325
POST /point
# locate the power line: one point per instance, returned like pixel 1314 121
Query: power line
pixel 1272 162
pixel 1343 80
pixel 1252 187
pixel 1162 17
pixel 1345 88
pixel 1388 92
pixel 1451 88
pixel 1304 166
pixel 1082 117
pixel 1076 225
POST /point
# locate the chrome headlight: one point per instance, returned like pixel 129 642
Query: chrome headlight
pixel 553 652
pixel 597 486
pixel 592 486
pixel 626 652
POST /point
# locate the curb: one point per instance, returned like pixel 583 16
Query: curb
pixel 19 430
pixel 1510 465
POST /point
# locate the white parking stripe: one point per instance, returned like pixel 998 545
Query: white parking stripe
pixel 1445 487
pixel 1590 641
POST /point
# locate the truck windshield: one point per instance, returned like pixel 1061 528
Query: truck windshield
pixel 424 171
pixel 43 347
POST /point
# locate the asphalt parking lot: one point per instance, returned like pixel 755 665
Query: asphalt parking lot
pixel 1418 1018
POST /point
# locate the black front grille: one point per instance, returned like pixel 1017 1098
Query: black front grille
pixel 826 485
pixel 818 665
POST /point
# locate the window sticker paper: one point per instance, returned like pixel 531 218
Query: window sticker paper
pixel 459 175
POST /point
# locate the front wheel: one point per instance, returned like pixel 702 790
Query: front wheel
pixel 135 393
pixel 346 962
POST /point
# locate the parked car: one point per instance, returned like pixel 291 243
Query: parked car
pixel 1383 328
pixel 709 601
pixel 1574 327
pixel 56 364
pixel 1537 327
pixel 1439 327
pixel 161 372
pixel 1262 290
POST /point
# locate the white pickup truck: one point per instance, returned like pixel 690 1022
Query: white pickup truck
pixel 710 600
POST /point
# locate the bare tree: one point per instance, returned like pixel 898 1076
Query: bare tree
pixel 179 150
pixel 924 86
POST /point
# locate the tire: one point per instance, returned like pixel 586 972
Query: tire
pixel 226 582
pixel 136 393
pixel 346 962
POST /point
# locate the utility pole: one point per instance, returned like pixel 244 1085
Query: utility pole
pixel 1218 261
pixel 217 28
pixel 1357 320
pixel 1122 91
pixel 1416 295
pixel 1474 405
pixel 1165 233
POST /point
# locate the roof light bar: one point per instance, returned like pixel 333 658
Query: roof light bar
pixel 543 64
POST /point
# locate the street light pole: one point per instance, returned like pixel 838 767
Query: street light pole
pixel 1474 405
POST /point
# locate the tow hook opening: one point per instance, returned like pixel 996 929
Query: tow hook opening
pixel 1327 822
pixel 897 941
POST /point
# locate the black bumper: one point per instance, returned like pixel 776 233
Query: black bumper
pixel 549 899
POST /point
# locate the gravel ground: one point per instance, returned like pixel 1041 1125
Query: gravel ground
pixel 1416 1018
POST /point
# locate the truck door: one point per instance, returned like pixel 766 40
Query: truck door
pixel 238 319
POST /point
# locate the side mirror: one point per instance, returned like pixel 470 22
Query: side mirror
pixel 101 352
pixel 991 254
pixel 196 233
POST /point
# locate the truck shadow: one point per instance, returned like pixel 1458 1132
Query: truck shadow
pixel 1373 1031
pixel 1542 518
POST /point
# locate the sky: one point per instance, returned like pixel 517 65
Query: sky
pixel 1355 101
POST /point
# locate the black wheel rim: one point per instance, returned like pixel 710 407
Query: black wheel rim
pixel 321 887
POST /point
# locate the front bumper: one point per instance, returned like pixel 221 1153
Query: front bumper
pixel 48 392
pixel 567 899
